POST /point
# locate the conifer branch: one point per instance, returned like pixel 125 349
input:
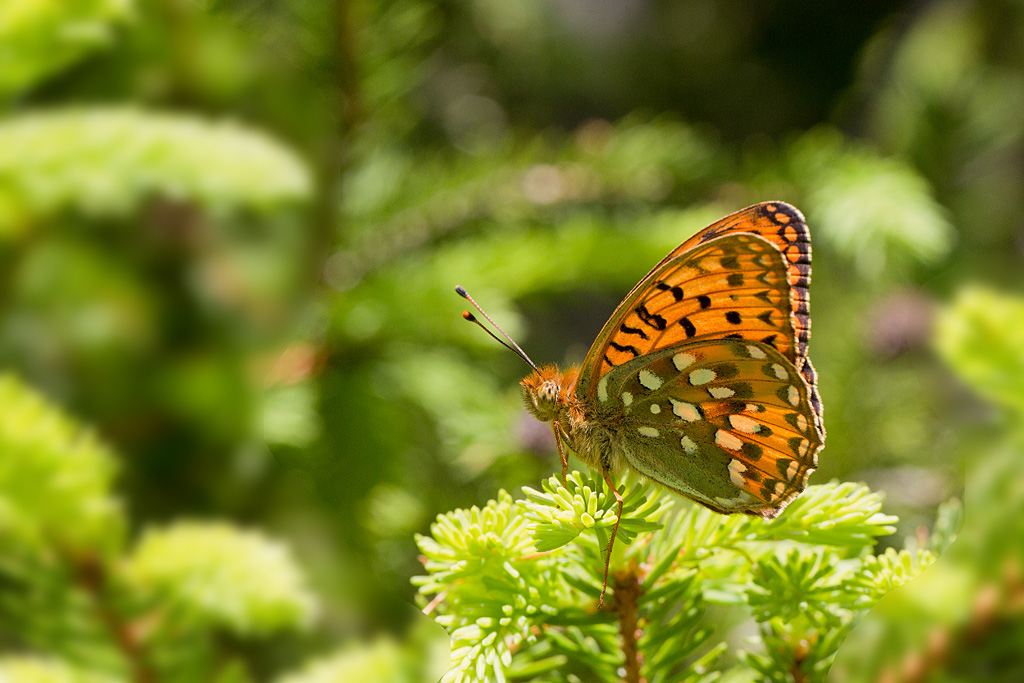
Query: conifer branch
pixel 627 589
pixel 516 583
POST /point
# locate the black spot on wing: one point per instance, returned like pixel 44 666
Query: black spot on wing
pixel 630 349
pixel 652 319
pixel 677 291
pixel 632 330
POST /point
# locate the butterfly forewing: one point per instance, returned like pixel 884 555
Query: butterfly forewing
pixel 784 226
pixel 725 423
pixel 745 276
pixel 733 286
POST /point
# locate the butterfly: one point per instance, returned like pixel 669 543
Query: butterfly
pixel 700 380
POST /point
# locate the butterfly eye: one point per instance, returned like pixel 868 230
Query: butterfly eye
pixel 547 393
pixel 542 400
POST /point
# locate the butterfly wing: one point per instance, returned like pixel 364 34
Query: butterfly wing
pixel 745 276
pixel 785 228
pixel 734 299
pixel 727 423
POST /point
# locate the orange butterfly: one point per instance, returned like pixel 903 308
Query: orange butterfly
pixel 700 379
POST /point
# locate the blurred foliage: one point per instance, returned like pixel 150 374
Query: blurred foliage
pixel 229 232
pixel 218 576
pixel 63 473
pixel 41 37
pixel 982 337
pixel 34 670
pixel 72 590
pixel 964 619
pixel 103 162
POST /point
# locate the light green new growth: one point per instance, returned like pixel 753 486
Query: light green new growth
pixel 890 570
pixel 981 335
pixel 516 584
pixel 53 470
pixel 104 162
pixel 221 576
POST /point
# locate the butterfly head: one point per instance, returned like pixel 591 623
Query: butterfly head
pixel 548 392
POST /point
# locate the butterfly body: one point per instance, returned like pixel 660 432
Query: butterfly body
pixel 700 379
pixel 590 431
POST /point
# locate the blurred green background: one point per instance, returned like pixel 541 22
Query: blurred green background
pixel 230 232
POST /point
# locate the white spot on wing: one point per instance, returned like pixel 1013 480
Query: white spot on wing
pixel 688 445
pixel 721 392
pixel 602 390
pixel 627 398
pixel 682 360
pixel 794 396
pixel 779 488
pixel 780 371
pixel 756 353
pixel 801 422
pixel 685 410
pixel 701 376
pixel 732 503
pixel 744 424
pixel 727 440
pixel 648 431
pixel 791 470
pixel 736 470
pixel 649 380
pixel 655 408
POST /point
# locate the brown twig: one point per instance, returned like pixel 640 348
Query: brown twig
pixel 91 576
pixel 626 591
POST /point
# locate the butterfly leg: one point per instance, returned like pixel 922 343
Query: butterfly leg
pixel 615 531
pixel 556 429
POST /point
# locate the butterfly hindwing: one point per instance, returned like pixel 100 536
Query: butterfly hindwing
pixel 724 422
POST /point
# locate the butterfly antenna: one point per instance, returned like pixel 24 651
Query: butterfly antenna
pixel 514 348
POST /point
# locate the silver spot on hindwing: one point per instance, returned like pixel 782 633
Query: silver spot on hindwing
pixel 701 376
pixel 649 380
